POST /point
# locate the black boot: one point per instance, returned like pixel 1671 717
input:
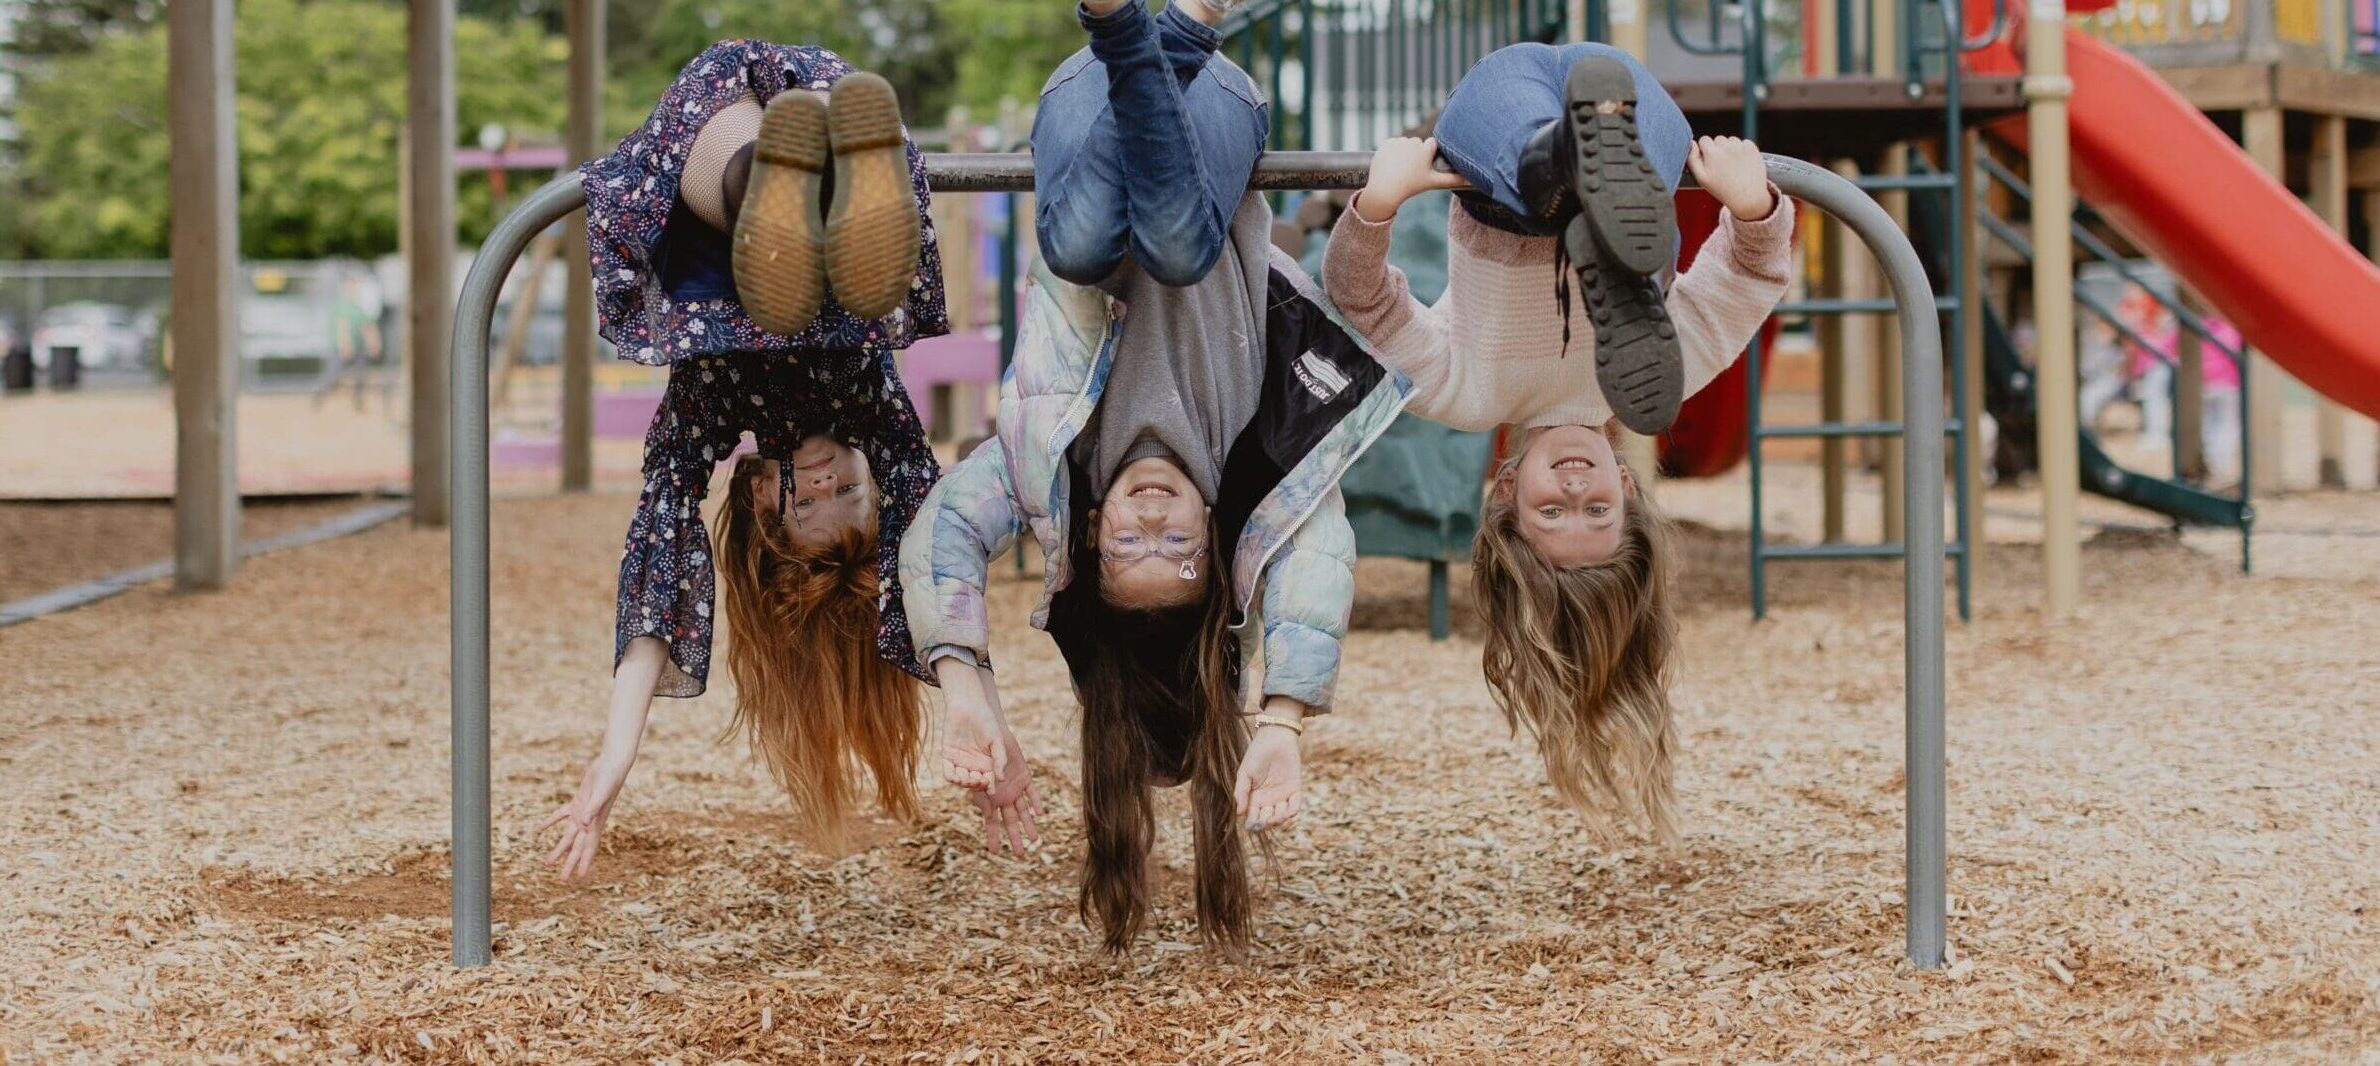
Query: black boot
pixel 1623 233
pixel 1549 182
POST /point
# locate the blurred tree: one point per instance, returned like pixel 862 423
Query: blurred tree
pixel 321 98
pixel 937 52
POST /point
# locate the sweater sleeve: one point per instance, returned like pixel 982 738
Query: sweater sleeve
pixel 666 583
pixel 1738 277
pixel 1378 302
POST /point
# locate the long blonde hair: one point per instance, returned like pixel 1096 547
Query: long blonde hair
pixel 1579 657
pixel 813 698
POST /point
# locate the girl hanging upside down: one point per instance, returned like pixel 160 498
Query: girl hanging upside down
pixel 772 258
pixel 1175 451
pixel 1567 158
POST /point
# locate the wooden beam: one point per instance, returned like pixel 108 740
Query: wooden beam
pixel 429 304
pixel 2323 91
pixel 2346 438
pixel 204 171
pixel 2268 385
pixel 582 21
pixel 2363 168
pixel 2056 432
pixel 2230 87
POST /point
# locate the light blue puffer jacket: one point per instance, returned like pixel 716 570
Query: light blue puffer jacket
pixel 1325 401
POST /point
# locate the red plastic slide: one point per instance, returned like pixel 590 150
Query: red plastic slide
pixel 1713 431
pixel 2182 190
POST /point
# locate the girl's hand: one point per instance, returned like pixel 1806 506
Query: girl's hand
pixel 973 755
pixel 581 819
pixel 1272 775
pixel 1730 169
pixel 1010 811
pixel 1402 167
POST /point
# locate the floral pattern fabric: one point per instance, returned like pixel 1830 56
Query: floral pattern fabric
pixel 667 584
pixel 634 221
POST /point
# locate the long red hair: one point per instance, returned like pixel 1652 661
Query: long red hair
pixel 816 702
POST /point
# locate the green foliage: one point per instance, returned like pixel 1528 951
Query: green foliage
pixel 321 98
pixel 939 53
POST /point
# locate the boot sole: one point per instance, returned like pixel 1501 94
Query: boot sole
pixel 872 232
pixel 1637 362
pixel 1626 204
pixel 780 235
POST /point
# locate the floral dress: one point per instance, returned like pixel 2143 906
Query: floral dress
pixel 665 296
pixel 667 584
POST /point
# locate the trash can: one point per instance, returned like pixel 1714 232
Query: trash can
pixel 66 368
pixel 16 368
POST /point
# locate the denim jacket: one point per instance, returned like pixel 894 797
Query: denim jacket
pixel 1281 517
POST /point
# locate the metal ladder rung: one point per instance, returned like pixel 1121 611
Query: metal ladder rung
pixel 1942 303
pixel 1884 182
pixel 1850 551
pixel 1848 429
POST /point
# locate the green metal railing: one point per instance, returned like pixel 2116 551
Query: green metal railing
pixel 1934 35
pixel 2172 496
pixel 1343 75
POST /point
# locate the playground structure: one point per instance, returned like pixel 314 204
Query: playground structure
pixel 1921 376
pixel 1972 81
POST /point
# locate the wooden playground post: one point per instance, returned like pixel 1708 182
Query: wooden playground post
pixel 1836 251
pixel 582 22
pixel 1887 356
pixel 2046 89
pixel 2345 438
pixel 1970 296
pixel 206 268
pixel 2268 386
pixel 429 294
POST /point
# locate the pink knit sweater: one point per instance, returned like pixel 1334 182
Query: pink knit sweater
pixel 1490 351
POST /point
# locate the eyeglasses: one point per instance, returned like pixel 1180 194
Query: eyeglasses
pixel 1132 549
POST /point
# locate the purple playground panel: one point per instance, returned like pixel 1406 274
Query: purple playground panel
pixel 625 413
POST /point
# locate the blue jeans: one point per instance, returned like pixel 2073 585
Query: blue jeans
pixel 1512 93
pixel 1143 145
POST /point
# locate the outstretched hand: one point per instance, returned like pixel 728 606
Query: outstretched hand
pixel 1272 775
pixel 1731 170
pixel 582 819
pixel 1011 813
pixel 1402 168
pixel 973 756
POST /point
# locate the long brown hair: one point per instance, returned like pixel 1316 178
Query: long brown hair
pixel 816 702
pixel 1160 691
pixel 1579 657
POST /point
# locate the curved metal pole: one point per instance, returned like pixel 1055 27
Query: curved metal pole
pixel 1921 402
pixel 468 448
pixel 1921 495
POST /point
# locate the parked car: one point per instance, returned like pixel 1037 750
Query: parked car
pixel 100 336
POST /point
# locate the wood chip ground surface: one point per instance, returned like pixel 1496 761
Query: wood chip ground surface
pixel 224 824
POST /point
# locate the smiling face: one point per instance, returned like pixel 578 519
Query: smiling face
pixel 833 494
pixel 1151 528
pixel 1571 494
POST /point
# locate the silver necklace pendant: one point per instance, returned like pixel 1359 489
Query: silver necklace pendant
pixel 1189 570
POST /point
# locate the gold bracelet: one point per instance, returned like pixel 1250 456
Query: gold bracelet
pixel 1289 724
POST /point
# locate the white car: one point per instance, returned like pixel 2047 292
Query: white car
pixel 97 335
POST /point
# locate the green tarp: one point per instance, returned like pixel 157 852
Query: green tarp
pixel 1415 494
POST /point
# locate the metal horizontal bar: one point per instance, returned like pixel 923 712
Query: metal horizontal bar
pixel 1013 171
pixel 1848 551
pixel 1857 307
pixel 1907 181
pixel 1846 429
